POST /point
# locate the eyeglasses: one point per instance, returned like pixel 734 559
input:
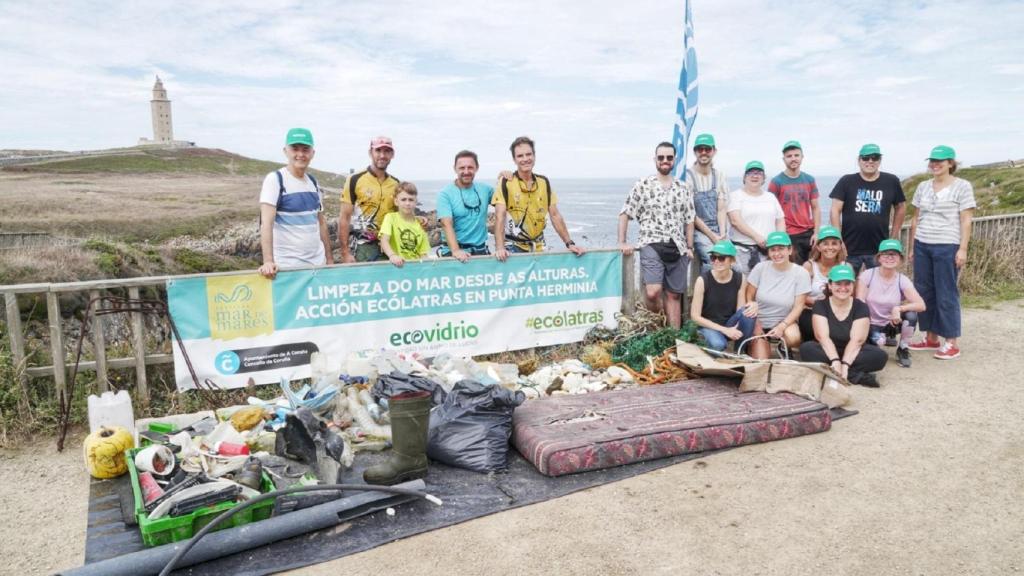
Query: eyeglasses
pixel 889 255
pixel 844 284
pixel 871 158
pixel 702 149
pixel 717 257
pixel 758 173
pixel 668 158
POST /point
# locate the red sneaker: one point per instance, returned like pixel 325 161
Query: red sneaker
pixel 925 344
pixel 947 352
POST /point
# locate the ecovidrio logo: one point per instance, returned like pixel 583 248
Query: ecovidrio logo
pixel 438 333
pixel 565 319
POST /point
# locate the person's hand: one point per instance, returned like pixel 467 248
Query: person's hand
pixel 501 254
pixel 844 371
pixel 750 309
pixel 626 249
pixel 778 330
pixel 688 253
pixel 460 255
pixel 506 174
pixel 761 242
pixel 910 254
pixel 577 250
pixel 268 270
pixel 348 258
pixel 733 333
pixel 961 258
pixel 397 260
pixel 895 317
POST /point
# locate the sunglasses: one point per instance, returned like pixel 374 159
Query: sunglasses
pixel 717 257
pixel 668 158
pixel 702 149
pixel 871 158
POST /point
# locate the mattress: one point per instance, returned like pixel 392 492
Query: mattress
pixel 576 433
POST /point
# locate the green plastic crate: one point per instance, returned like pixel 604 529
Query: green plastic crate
pixel 176 528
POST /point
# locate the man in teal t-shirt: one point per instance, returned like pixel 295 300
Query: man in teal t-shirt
pixel 797 193
pixel 462 210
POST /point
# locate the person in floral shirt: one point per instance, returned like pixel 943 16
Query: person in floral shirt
pixel 663 206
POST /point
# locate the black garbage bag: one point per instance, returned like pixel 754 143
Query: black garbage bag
pixel 396 383
pixel 471 428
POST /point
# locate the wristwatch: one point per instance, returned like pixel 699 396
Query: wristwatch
pixel 570 244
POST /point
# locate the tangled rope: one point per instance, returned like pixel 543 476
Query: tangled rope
pixel 659 369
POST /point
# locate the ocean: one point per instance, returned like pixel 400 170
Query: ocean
pixel 591 206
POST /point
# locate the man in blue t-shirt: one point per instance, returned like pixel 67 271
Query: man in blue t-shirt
pixel 462 210
pixel 797 193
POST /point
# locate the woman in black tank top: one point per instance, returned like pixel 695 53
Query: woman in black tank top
pixel 719 303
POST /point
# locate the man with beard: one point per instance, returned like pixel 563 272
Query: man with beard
pixel 293 231
pixel 710 198
pixel 373 192
pixel 462 210
pixel 861 204
pixel 664 208
pixel 797 193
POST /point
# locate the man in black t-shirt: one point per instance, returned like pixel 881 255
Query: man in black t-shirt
pixel 865 201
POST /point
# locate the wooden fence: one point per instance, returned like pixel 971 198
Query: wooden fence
pixel 140 358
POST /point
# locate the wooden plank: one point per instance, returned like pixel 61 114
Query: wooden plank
pixel 57 345
pixel 16 338
pixel 139 338
pixel 629 282
pixel 99 343
pixel 112 364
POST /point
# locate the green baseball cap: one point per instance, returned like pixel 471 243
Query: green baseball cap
pixel 704 140
pixel 869 149
pixel 299 136
pixel 723 247
pixel 753 165
pixel 890 245
pixel 778 238
pixel 790 145
pixel 841 273
pixel 942 153
pixel 829 232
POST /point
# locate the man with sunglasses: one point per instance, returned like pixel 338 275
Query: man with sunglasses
pixel 710 198
pixel 861 207
pixel 462 210
pixel 664 208
pixel 797 193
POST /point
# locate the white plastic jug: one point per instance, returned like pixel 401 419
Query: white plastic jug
pixel 111 409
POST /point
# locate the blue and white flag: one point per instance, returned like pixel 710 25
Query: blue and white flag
pixel 686 101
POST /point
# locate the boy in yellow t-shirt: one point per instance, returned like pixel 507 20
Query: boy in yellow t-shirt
pixel 402 236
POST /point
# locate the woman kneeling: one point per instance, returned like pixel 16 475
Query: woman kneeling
pixel 841 329
pixel 892 300
pixel 779 287
pixel 719 304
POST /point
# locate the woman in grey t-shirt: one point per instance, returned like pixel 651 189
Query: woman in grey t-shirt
pixel 939 233
pixel 778 288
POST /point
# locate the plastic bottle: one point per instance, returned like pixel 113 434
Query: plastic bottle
pixel 111 409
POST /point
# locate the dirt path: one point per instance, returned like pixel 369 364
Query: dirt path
pixel 928 479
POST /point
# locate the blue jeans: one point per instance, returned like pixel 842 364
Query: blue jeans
pixel 868 260
pixel 935 276
pixel 717 341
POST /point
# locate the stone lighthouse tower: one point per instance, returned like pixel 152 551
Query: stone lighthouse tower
pixel 163 133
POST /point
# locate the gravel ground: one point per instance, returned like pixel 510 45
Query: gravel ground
pixel 927 479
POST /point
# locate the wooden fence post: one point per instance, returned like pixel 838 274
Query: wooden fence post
pixel 57 345
pixel 139 337
pixel 99 343
pixel 15 336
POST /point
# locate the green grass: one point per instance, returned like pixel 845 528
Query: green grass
pixel 168 161
pixel 997 190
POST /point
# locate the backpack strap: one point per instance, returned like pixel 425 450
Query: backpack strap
pixel 547 185
pixel 280 186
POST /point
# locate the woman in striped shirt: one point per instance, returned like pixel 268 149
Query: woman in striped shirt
pixel 939 233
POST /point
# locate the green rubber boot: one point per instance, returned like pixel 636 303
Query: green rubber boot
pixel 410 414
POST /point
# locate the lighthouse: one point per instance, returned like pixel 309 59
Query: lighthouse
pixel 163 131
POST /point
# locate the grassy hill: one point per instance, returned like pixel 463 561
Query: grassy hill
pixel 145 160
pixel 997 190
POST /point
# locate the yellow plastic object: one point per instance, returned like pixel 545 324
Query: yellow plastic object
pixel 247 418
pixel 104 451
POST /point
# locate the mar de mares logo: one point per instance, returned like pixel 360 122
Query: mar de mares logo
pixel 239 306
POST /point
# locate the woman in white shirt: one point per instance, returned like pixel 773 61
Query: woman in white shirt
pixel 753 214
pixel 939 233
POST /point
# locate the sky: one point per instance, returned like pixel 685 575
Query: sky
pixel 593 83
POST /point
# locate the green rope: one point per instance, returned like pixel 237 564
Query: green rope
pixel 634 351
